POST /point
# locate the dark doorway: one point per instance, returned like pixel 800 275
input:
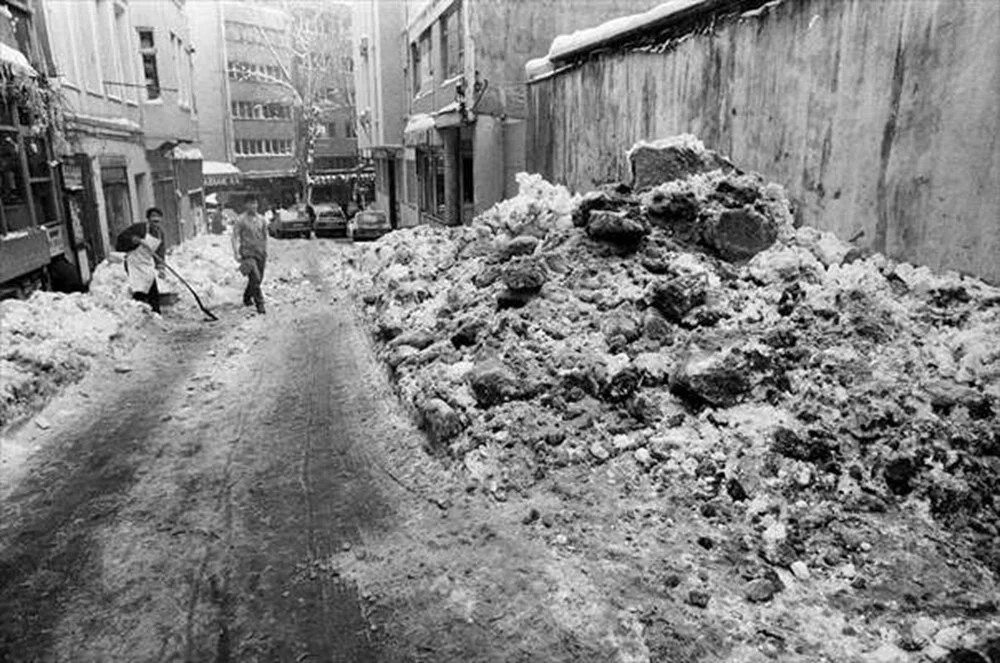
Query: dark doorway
pixel 393 203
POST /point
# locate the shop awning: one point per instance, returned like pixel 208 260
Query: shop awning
pixel 219 168
pixel 219 173
pixel 16 60
pixel 268 174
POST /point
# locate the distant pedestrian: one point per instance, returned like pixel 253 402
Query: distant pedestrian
pixel 250 250
pixel 145 250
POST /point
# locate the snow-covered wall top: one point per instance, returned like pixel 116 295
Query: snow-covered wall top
pixel 583 40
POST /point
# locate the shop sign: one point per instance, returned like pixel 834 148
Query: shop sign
pixel 72 176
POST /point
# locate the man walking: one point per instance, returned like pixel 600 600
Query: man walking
pixel 250 250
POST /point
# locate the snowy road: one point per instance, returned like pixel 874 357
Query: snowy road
pixel 184 507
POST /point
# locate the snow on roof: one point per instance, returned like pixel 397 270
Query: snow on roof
pixel 448 108
pixel 218 168
pixel 122 123
pixel 187 153
pixel 538 67
pixel 582 40
pixel 419 122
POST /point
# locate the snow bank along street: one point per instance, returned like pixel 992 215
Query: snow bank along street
pixel 792 447
pixel 50 339
pixel 659 424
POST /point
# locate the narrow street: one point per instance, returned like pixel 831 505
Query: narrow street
pixel 182 508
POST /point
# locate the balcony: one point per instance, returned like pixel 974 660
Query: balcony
pixel 335 147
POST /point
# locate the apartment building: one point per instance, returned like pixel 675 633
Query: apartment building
pixel 169 113
pixel 464 139
pixel 248 105
pixel 125 73
pixel 96 57
pixel 380 98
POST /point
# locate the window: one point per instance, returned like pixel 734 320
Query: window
pixel 425 70
pixel 111 75
pixel 190 80
pixel 430 174
pixel 90 39
pixel 126 70
pixel 410 168
pixel 468 193
pixel 180 68
pixel 13 193
pixel 452 43
pixel 147 49
pixel 248 110
pixel 349 129
pixel 61 23
pixel 263 147
pixel 415 67
pixel 242 71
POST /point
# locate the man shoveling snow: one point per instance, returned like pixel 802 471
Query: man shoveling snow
pixel 140 242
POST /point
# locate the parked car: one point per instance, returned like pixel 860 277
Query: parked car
pixel 330 220
pixel 294 221
pixel 369 224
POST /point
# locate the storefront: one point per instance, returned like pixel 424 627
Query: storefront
pixel 31 216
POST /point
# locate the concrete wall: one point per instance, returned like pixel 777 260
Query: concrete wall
pixel 488 164
pixel 211 89
pixel 880 118
pixel 505 34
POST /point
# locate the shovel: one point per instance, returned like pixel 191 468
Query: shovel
pixel 208 314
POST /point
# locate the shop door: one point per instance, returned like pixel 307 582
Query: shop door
pixel 393 203
pixel 163 195
pixel 89 216
pixel 119 209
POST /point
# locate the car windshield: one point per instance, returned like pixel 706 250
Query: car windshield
pixel 329 210
pixel 371 218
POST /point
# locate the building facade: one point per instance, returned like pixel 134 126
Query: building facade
pixel 169 115
pixel 97 64
pixel 328 145
pixel 381 103
pixel 263 102
pixel 125 75
pixel 247 101
pixel 464 139
pixel 34 228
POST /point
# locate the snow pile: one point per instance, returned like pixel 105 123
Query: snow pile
pixel 51 338
pixel 205 262
pixel 537 208
pixel 692 332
